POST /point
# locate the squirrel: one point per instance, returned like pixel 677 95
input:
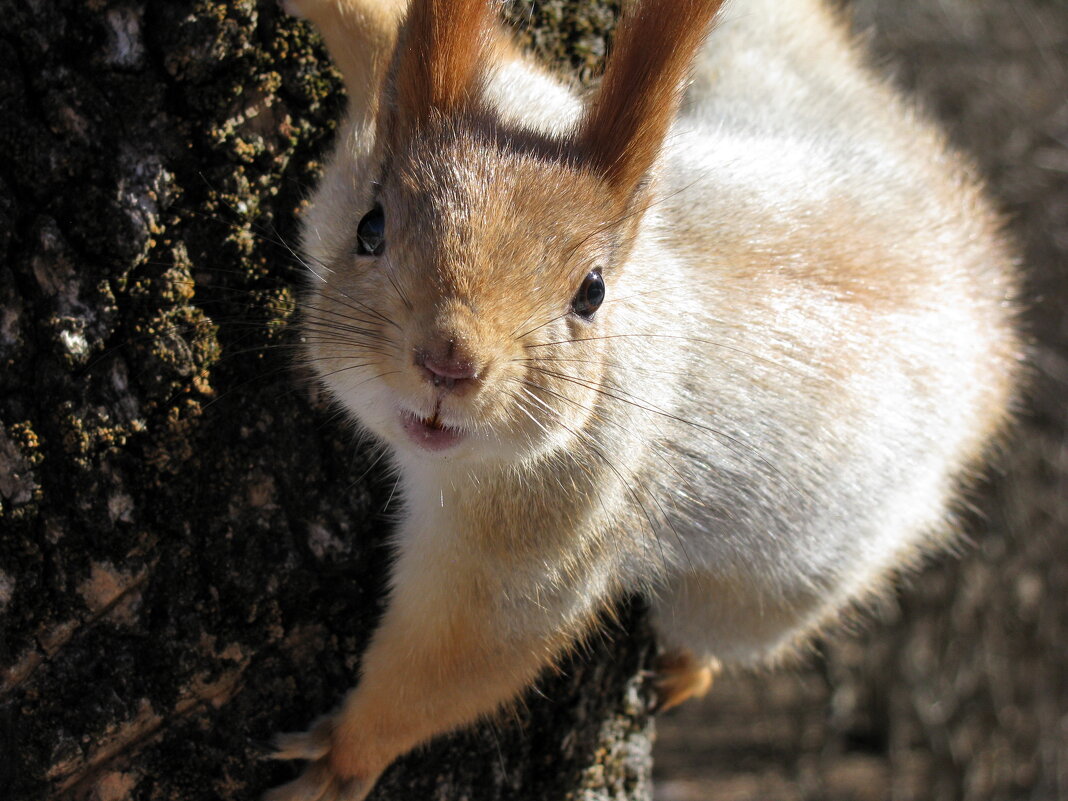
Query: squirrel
pixel 733 331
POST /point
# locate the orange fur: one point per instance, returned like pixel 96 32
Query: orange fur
pixel 445 43
pixel 642 86
pixel 681 676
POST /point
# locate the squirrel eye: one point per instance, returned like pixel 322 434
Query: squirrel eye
pixel 590 295
pixel 371 233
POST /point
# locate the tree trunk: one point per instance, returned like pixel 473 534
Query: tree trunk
pixel 193 544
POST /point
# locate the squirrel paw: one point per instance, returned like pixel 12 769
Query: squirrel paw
pixel 312 744
pixel 321 780
pixel 679 676
pixel 319 783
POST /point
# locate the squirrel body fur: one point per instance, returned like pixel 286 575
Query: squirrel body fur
pixel 806 346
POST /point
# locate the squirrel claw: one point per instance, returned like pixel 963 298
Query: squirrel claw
pixel 312 745
pixel 314 784
pixel 679 676
pixel 319 783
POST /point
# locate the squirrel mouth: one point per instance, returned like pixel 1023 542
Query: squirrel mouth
pixel 430 433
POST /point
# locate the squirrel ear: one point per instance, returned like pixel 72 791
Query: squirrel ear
pixel 440 56
pixel 361 36
pixel 624 127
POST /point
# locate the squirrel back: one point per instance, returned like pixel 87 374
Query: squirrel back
pixel 861 353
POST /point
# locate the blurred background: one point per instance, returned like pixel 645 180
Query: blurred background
pixel 959 690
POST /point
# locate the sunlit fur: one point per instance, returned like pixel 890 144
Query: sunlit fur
pixel 806 347
pixel 440 58
pixel 623 129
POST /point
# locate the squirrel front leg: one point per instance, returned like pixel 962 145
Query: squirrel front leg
pixel 460 637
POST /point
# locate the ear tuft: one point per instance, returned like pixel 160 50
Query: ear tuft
pixel 441 55
pixel 624 127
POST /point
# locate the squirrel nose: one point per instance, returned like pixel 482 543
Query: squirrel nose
pixel 449 373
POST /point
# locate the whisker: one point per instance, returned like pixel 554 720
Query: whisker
pixel 734 444
pixel 359 304
pixel 592 445
pixel 597 363
pixel 389 275
pixel 710 343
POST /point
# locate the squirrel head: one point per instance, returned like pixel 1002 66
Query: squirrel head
pixel 467 308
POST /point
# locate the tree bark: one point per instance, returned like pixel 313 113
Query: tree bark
pixel 193 545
